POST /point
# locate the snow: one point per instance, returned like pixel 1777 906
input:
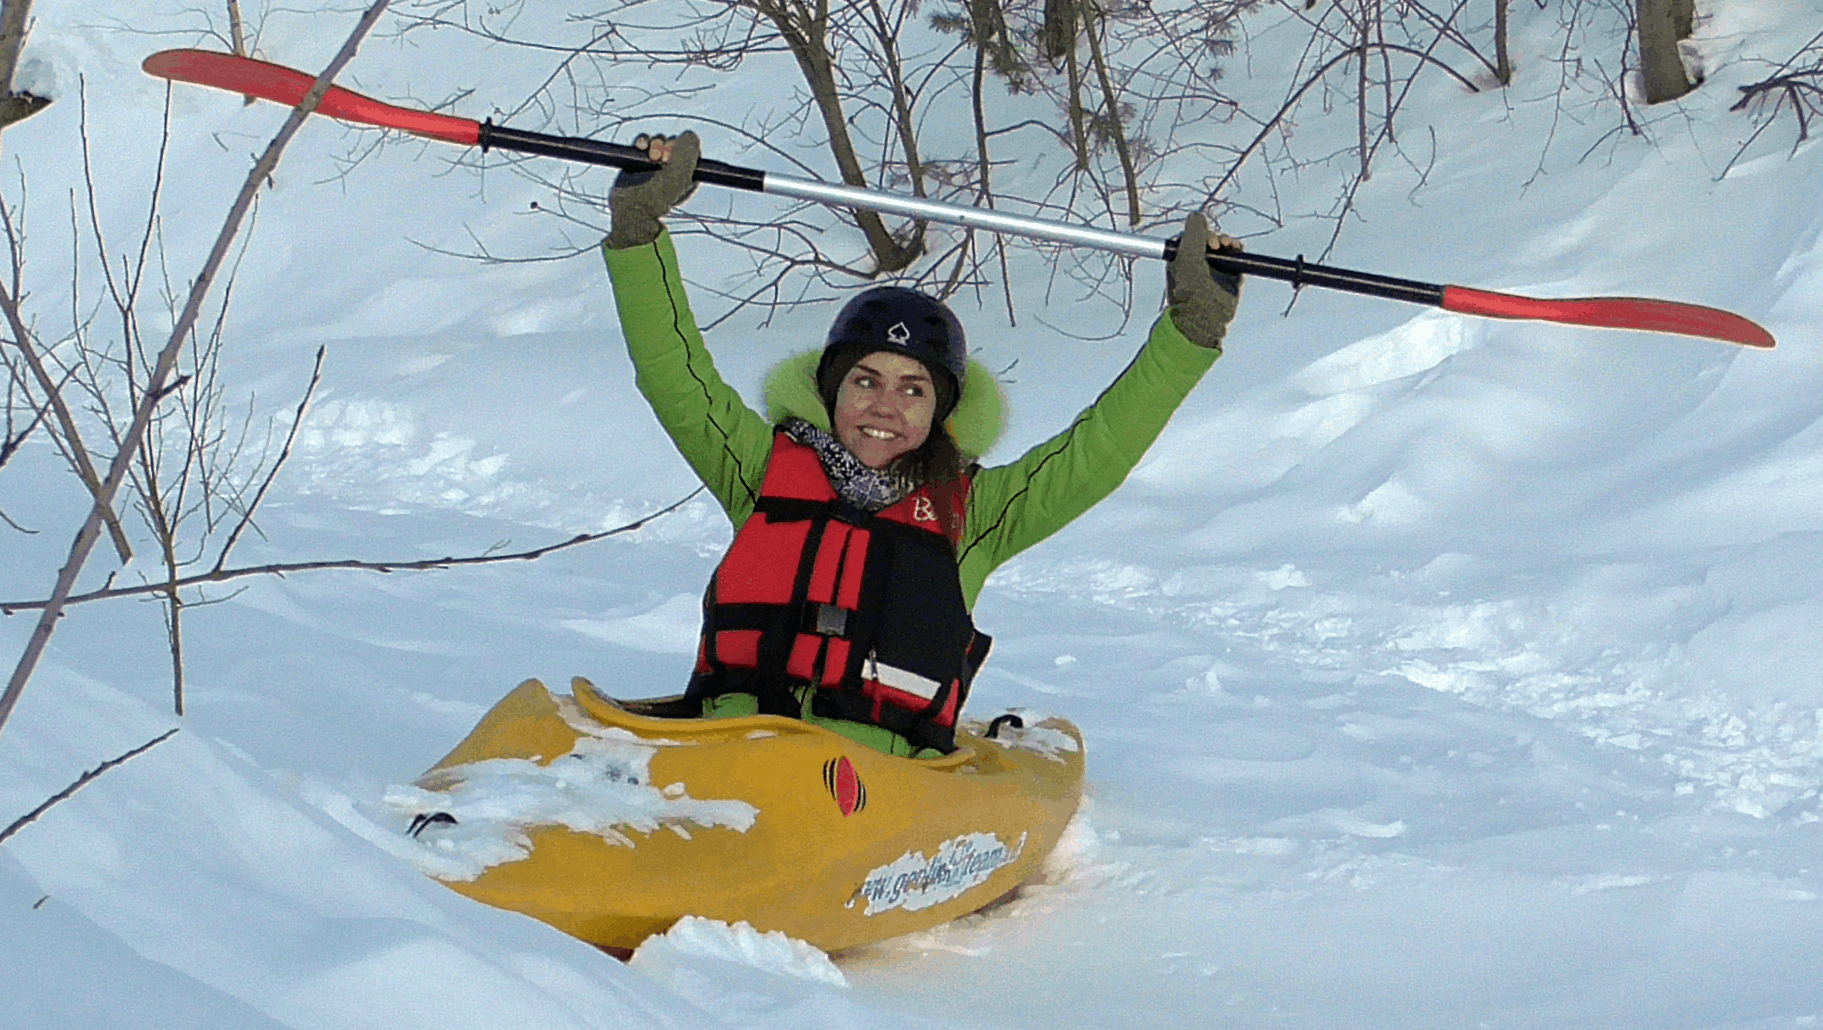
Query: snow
pixel 670 954
pixel 1434 672
pixel 602 786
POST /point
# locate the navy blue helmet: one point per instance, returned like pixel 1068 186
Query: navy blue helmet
pixel 903 321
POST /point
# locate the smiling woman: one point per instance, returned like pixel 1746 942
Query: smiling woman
pixel 865 528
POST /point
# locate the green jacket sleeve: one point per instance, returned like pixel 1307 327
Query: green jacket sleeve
pixel 1011 507
pixel 724 440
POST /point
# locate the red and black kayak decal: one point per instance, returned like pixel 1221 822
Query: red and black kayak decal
pixel 843 784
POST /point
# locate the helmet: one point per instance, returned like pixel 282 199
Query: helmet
pixel 903 321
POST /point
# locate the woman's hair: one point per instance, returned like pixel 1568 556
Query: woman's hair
pixel 936 460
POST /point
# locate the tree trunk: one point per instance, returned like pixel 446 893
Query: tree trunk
pixel 1503 65
pixel 804 29
pixel 1059 32
pixel 15 18
pixel 1661 24
pixel 1079 133
pixel 15 15
pixel 902 111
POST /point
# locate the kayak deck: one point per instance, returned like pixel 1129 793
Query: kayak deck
pixel 764 819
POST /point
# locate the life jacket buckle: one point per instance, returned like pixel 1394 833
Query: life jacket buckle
pixel 826 619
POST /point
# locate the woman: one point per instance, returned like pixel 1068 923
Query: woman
pixel 864 528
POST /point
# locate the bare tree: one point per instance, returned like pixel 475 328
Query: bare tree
pixel 1364 57
pixel 30 378
pixel 200 465
pixel 193 466
pixel 237 30
pixel 1503 62
pixel 873 76
pixel 1141 130
pixel 163 368
pixel 22 416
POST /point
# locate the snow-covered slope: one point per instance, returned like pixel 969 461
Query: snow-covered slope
pixel 1436 672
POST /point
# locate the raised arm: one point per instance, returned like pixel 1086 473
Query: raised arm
pixel 722 439
pixel 1012 507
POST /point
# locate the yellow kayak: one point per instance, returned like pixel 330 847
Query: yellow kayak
pixel 612 820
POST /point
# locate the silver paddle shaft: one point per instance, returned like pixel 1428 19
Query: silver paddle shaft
pixel 969 217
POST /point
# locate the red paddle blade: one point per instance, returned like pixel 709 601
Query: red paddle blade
pixel 287 86
pixel 1656 316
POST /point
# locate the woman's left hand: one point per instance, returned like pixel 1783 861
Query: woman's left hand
pixel 640 199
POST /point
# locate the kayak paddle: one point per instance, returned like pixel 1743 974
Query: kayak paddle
pixel 251 77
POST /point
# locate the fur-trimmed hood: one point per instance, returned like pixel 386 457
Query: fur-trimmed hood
pixel 975 425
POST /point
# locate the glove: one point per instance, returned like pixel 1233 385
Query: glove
pixel 639 199
pixel 1201 300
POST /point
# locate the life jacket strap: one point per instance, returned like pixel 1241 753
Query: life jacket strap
pixel 825 620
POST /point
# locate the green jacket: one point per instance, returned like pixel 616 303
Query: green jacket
pixel 1010 507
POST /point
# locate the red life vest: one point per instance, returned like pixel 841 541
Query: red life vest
pixel 868 608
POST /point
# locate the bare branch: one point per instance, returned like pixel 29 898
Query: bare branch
pixel 82 781
pixel 1792 84
pixel 1112 116
pixel 53 393
pixel 413 565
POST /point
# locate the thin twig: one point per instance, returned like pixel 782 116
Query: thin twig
pixel 286 568
pixel 82 781
pixel 10 446
pixel 1095 24
pixel 297 420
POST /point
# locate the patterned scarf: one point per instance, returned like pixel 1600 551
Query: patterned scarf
pixel 868 489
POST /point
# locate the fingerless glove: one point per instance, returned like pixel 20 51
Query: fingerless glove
pixel 1202 301
pixel 640 199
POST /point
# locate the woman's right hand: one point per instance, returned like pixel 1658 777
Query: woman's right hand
pixel 1202 301
pixel 639 200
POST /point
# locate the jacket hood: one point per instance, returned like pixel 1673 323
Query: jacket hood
pixel 975 425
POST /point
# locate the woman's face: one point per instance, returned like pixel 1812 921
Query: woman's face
pixel 884 408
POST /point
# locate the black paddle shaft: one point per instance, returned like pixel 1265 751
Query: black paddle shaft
pixel 1297 272
pixel 614 155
